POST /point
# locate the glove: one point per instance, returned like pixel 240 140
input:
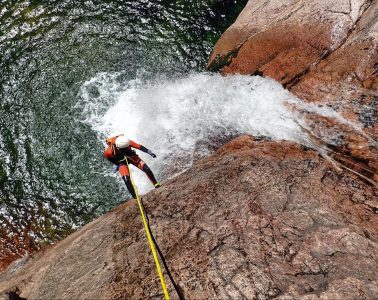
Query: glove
pixel 151 153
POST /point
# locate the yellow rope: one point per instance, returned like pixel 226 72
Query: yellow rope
pixel 149 238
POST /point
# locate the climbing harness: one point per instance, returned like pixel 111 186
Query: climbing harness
pixel 149 238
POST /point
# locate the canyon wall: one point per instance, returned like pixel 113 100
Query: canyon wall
pixel 256 220
pixel 325 52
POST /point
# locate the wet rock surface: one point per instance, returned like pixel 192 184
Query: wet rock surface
pixel 347 82
pixel 256 220
pixel 325 52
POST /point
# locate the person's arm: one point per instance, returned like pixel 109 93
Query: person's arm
pixel 142 148
pixel 108 153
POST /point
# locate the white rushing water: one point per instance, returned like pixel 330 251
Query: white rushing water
pixel 177 118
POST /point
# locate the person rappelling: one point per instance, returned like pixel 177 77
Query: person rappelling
pixel 119 151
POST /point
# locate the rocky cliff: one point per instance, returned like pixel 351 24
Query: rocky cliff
pixel 325 52
pixel 256 220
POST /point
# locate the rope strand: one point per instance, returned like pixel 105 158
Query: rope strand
pixel 149 238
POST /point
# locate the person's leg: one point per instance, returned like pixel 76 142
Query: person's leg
pixel 129 185
pixel 140 164
pixel 125 173
pixel 150 175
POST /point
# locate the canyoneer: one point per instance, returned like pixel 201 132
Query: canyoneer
pixel 119 151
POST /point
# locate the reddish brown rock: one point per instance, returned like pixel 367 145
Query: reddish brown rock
pixel 347 81
pixel 325 52
pixel 282 39
pixel 257 220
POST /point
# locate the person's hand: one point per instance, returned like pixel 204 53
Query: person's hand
pixel 151 153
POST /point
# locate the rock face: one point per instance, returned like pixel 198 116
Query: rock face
pixel 347 81
pixel 256 220
pixel 283 39
pixel 325 52
pixel 79 267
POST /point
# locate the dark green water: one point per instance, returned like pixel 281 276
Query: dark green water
pixel 51 164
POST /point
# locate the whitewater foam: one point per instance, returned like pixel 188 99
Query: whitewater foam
pixel 184 117
pixel 174 116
